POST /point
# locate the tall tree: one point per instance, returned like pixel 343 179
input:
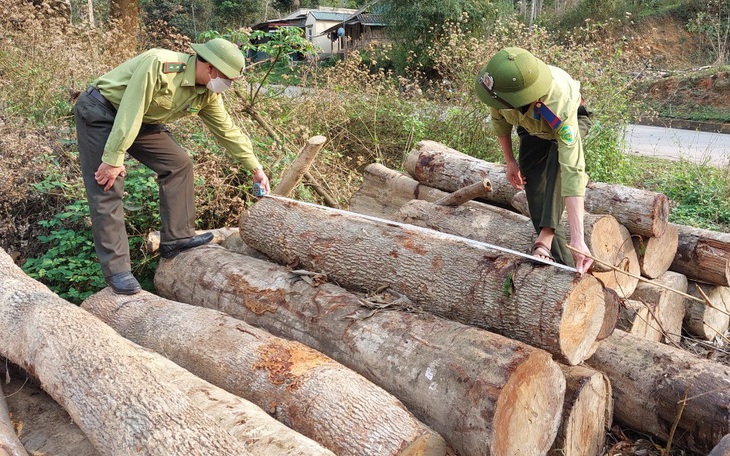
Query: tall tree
pixel 124 19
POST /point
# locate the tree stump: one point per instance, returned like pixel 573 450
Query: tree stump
pixel 483 393
pixel 302 388
pixel 550 307
pixel 650 381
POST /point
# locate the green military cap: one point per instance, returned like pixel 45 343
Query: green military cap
pixel 513 77
pixel 223 55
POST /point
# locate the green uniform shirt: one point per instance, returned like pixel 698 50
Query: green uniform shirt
pixel 156 87
pixel 563 98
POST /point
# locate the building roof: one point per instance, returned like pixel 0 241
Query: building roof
pixel 330 16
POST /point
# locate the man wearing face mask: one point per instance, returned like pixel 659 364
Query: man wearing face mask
pixel 124 112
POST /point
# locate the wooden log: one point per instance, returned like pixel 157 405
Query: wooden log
pixel 650 381
pixel 219 235
pixel 703 255
pixel 483 393
pixel 89 369
pixel 610 242
pixel 640 319
pixel 9 442
pixel 516 295
pixel 262 434
pixel 44 427
pixel 656 253
pixel 300 166
pixel 384 191
pixel 701 320
pixel 605 237
pixel 722 448
pixel 640 211
pixel 302 388
pixel 468 193
pixel 587 413
pixel 669 307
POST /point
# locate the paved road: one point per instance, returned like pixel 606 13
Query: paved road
pixel 673 144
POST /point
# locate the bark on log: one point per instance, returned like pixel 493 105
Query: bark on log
pixel 468 193
pixel 722 448
pixel 640 211
pixel 669 307
pixel 301 387
pixel 610 242
pixel 707 322
pixel 587 413
pixel 550 307
pixel 384 191
pixel 90 370
pixel 640 319
pixel 262 434
pixel 44 427
pixel 703 255
pixel 9 442
pixel 656 253
pixel 649 382
pixel 300 166
pixel 483 393
pixel 219 235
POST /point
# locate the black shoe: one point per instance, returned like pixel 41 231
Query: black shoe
pixel 124 283
pixel 171 249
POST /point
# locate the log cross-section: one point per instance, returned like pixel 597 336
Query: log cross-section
pixel 549 306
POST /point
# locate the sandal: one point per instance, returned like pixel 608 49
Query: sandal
pixel 542 251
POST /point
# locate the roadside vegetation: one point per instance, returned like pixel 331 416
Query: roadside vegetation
pixel 371 107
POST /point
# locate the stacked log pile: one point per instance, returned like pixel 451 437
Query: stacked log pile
pixel 415 323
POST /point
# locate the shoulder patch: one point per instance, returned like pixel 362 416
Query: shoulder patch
pixel 174 67
pixel 546 113
pixel 566 134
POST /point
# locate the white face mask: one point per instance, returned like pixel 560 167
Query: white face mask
pixel 219 84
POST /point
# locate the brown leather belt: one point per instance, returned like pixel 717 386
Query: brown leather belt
pixel 94 92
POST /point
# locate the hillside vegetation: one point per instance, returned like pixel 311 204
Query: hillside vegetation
pixel 629 70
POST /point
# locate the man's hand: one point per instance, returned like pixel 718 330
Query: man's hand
pixel 514 176
pixel 260 177
pixel 579 249
pixel 107 174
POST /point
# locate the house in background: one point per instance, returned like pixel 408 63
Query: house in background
pixel 331 30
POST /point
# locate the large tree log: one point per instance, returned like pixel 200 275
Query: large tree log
pixel 484 393
pixel 606 238
pixel 587 413
pixel 640 211
pixel 44 427
pixel 304 389
pixel 656 253
pixel 9 442
pixel 707 321
pixel 122 406
pixel 550 307
pixel 703 255
pixel 668 306
pixel 650 381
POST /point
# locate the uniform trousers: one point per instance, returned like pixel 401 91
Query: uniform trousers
pixel 155 148
pixel 538 161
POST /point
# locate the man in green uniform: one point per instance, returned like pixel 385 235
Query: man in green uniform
pixel 124 111
pixel 546 106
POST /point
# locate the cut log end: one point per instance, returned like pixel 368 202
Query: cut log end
pixel 528 411
pixel 427 445
pixel 582 320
